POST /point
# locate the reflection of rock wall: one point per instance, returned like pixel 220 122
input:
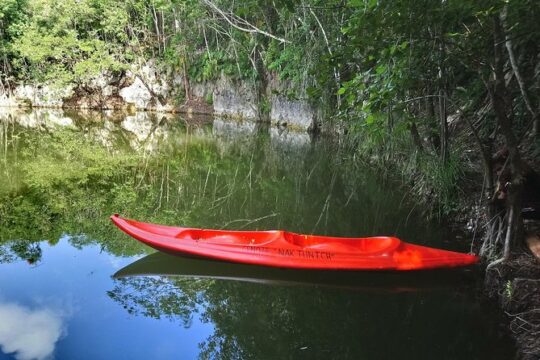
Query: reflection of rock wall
pixel 104 134
pixel 147 130
pixel 141 131
pixel 259 136
pixel 289 139
pixel 279 136
pixel 144 131
pixel 39 96
pixel 140 125
pixel 230 132
pixel 45 118
pixel 233 129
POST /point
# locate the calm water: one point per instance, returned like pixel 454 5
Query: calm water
pixel 74 287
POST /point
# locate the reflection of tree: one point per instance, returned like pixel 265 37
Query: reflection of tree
pixel 21 249
pixel 67 183
pixel 158 297
pixel 256 321
pixel 252 324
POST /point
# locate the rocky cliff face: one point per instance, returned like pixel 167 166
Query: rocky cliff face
pixel 235 99
pixel 149 90
pixel 298 114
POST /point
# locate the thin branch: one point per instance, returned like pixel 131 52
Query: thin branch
pixel 515 69
pixel 241 24
pixel 322 30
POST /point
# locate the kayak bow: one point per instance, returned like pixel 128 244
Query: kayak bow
pixel 290 250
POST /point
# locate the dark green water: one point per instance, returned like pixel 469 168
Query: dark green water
pixel 61 176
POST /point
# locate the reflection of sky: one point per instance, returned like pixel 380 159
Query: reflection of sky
pixel 28 333
pixel 77 281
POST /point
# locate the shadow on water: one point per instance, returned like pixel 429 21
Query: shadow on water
pixel 160 264
pixel 265 313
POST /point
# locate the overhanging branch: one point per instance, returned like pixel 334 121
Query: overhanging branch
pixel 240 23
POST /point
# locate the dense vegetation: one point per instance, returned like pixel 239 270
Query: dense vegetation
pixel 416 82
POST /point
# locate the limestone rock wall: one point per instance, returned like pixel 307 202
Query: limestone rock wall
pixel 149 89
pixel 235 99
pixel 297 114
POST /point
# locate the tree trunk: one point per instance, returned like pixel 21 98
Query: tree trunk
pixel 485 148
pixel 263 96
pixel 156 26
pixel 187 89
pixel 501 102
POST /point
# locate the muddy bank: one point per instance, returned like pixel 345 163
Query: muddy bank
pixel 515 285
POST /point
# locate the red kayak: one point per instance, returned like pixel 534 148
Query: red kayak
pixel 290 250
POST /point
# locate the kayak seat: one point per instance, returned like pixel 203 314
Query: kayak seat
pixel 229 237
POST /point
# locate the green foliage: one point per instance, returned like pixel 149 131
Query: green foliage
pixel 440 183
pixel 265 106
pixel 13 15
pixel 74 41
pixel 287 61
pixel 65 42
pixel 209 99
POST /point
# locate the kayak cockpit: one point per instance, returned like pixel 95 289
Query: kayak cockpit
pixel 371 245
pixel 223 237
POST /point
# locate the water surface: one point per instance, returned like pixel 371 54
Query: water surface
pixel 73 287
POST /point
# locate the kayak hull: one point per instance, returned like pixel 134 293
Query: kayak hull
pixel 289 250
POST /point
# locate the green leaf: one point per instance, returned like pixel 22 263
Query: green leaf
pixel 370 119
pixel 380 69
